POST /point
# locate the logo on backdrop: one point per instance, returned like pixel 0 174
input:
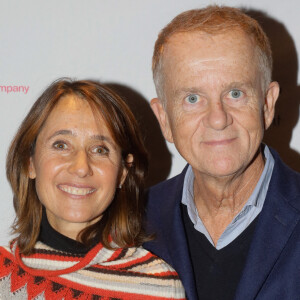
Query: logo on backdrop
pixel 22 89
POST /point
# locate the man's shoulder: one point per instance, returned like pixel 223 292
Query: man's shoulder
pixel 287 175
pixel 168 193
pixel 285 181
pixel 166 185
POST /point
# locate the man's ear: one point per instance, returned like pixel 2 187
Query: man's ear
pixel 31 169
pixel 270 101
pixel 162 118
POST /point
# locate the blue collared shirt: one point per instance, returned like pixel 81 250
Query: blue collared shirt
pixel 247 214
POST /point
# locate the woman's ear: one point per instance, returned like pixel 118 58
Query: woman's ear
pixel 31 169
pixel 127 164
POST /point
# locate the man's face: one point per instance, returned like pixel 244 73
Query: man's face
pixel 216 110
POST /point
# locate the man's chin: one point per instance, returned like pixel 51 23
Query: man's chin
pixel 220 170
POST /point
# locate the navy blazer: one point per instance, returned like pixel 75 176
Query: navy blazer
pixel 272 269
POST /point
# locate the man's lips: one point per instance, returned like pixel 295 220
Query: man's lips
pixel 76 190
pixel 222 142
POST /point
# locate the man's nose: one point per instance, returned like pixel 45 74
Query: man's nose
pixel 217 117
pixel 80 164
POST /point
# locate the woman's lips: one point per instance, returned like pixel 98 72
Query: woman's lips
pixel 76 190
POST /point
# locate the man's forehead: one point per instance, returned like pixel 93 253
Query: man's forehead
pixel 182 37
pixel 192 49
pixel 202 59
pixel 206 40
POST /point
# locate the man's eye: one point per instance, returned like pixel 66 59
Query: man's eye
pixel 235 94
pixel 60 145
pixel 192 98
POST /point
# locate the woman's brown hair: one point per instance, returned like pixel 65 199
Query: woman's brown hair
pixel 122 221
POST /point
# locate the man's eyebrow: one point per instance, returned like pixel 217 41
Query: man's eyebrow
pixel 240 85
pixel 185 91
pixel 195 90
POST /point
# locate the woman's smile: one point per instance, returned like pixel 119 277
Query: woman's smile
pixel 76 190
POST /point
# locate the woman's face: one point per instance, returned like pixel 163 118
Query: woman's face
pixel 76 165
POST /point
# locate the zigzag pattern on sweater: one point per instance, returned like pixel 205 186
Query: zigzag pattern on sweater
pixel 132 273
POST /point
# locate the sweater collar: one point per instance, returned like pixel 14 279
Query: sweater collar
pixel 52 238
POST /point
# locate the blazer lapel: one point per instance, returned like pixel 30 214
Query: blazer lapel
pixel 176 239
pixel 275 225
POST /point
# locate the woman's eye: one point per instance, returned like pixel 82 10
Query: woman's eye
pixel 100 150
pixel 60 145
pixel 192 98
pixel 235 94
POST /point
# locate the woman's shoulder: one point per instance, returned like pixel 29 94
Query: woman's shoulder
pixel 143 270
pixel 150 263
pixel 7 263
pixel 136 259
pixel 7 251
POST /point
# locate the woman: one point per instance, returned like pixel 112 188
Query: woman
pixel 76 167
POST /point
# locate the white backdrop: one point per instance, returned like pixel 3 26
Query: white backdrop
pixel 111 41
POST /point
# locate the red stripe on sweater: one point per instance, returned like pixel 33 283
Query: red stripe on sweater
pixel 37 272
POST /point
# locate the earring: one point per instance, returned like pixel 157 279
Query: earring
pixel 120 186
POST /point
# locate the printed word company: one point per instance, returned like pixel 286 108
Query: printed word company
pixel 14 89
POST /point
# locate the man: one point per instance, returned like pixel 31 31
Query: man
pixel 229 223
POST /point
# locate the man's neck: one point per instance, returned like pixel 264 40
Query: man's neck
pixel 219 200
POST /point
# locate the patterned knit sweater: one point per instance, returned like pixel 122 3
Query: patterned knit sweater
pixel 132 273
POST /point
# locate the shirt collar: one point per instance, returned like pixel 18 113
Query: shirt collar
pixel 246 215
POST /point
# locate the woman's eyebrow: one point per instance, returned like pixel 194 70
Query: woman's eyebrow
pixel 96 137
pixel 62 132
pixel 100 137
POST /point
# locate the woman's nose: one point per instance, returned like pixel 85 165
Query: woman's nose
pixel 80 165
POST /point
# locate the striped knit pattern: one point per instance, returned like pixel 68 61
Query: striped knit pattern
pixel 132 273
